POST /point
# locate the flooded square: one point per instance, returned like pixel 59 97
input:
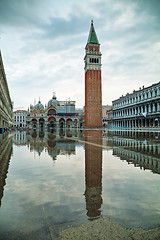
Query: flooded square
pixel 54 180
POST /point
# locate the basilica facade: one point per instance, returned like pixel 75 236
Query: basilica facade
pixel 55 114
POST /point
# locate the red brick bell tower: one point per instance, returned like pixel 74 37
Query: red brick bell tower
pixel 93 85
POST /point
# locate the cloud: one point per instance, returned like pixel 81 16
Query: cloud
pixel 22 14
pixel 43 43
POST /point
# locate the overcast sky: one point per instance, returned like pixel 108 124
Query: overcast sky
pixel 42 45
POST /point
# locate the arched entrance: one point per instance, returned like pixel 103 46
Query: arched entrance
pixel 62 123
pixel 34 123
pixel 75 123
pixel 51 123
pixel 41 124
pixel 69 123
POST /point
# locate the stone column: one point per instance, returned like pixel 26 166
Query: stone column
pixel 154 107
pixel 145 108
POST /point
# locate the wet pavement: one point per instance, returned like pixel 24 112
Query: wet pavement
pixel 51 181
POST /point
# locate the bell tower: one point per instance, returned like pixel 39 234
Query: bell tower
pixel 93 85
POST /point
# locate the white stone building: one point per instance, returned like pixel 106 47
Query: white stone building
pixel 107 115
pixel 140 109
pixel 19 118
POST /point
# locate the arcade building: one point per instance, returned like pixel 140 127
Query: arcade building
pixel 138 109
pixel 56 114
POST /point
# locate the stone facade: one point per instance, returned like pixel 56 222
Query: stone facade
pixel 6 107
pixel 140 109
pixel 19 118
pixel 56 114
pixel 107 115
pixel 93 88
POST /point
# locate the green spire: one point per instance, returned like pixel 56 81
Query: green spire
pixel 92 38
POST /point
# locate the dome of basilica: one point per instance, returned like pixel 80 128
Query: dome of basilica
pixel 39 106
pixel 52 102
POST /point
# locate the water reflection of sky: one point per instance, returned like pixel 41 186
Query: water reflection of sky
pixel 83 181
pixel 130 195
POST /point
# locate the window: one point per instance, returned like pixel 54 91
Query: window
pixel 155 92
pixel 147 94
pixel 94 60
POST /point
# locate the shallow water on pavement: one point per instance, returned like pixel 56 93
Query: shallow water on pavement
pixel 50 181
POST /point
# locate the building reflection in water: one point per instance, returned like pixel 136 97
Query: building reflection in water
pixel 54 142
pixel 139 148
pixel 93 173
pixel 5 156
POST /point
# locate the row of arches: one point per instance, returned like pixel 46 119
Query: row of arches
pixel 53 123
pixel 136 110
pixel 137 97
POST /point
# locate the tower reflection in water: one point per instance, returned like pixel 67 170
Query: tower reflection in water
pixel 93 173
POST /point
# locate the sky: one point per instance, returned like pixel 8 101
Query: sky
pixel 43 47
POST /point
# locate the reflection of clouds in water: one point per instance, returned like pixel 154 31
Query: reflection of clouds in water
pixel 36 189
pixel 127 190
pixel 41 182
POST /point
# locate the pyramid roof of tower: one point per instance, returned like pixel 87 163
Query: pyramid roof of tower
pixel 92 38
